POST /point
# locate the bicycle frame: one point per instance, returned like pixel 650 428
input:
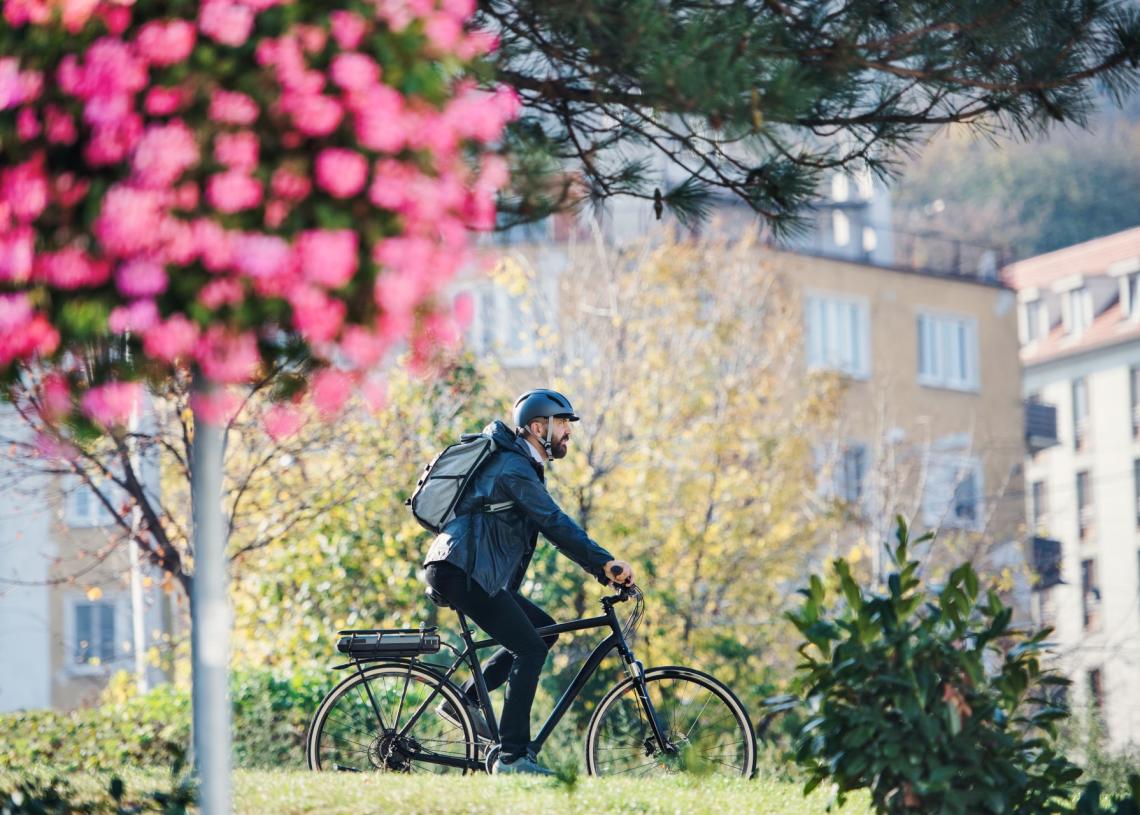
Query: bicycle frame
pixel 469 656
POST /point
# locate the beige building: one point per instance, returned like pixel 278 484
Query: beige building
pixel 67 611
pixel 932 418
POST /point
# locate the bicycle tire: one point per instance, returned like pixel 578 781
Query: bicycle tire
pixel 681 697
pixel 373 746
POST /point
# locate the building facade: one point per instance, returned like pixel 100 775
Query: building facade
pixel 1079 315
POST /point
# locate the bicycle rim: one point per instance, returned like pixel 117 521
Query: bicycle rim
pixel 706 727
pixel 357 726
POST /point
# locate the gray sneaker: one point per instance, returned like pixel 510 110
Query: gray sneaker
pixel 524 765
pixel 446 712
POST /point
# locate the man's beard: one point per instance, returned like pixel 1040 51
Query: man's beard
pixel 558 449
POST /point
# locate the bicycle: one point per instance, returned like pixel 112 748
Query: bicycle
pixel 652 722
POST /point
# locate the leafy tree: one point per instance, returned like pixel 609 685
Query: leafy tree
pixel 756 99
pixel 1025 199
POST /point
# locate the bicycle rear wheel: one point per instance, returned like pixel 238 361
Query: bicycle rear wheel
pixel 705 725
pixel 357 726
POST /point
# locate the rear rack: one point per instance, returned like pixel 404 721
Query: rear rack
pixel 373 643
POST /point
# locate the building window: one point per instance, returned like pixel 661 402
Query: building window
pixel 94 633
pixel 1038 507
pixel 1096 690
pixel 1080 413
pixel 1078 310
pixel 840 227
pixel 870 239
pixel 1136 488
pixel 839 188
pixel 1090 594
pixel 1034 318
pixel 1134 377
pixel 947 352
pixel 952 497
pixel 1086 519
pixel 852 472
pixel 83 508
pixel 837 334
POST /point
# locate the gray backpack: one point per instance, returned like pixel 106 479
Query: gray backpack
pixel 444 480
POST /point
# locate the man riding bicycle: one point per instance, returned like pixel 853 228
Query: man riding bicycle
pixel 477 563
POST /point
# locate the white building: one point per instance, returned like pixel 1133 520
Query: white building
pixel 1080 334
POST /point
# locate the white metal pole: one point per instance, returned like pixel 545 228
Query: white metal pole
pixel 210 618
pixel 138 608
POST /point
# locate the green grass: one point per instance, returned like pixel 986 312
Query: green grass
pixel 290 792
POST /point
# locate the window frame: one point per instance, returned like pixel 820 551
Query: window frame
pixel 933 354
pixel 819 303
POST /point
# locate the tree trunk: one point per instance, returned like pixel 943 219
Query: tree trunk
pixel 209 618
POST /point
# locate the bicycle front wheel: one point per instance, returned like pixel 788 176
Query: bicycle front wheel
pixel 361 726
pixel 706 728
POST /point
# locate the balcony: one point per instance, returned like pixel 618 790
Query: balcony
pixel 1046 562
pixel 1040 426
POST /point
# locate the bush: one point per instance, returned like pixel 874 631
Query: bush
pixel 271 713
pixel 932 703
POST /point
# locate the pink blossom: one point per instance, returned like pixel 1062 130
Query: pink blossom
pixel 130 221
pixel 354 72
pixel 289 185
pixel 340 172
pixel 186 196
pixel 215 242
pixel 163 101
pixel 379 120
pixel 225 357
pixel 27 124
pixel 443 32
pixel 110 144
pixel 220 292
pixel 17 250
pixel 218 407
pixel 282 421
pixel 375 392
pixel 314 114
pixel 24 332
pixel 390 180
pixel 237 151
pixel 409 255
pixel 347 29
pixel 141 277
pixel 20 12
pixel 71 269
pixel 313 38
pixel 163 153
pixel 178 244
pixel 276 211
pixel 55 449
pixel 226 22
pixel 476 44
pixel 331 389
pixel 24 188
pixel 316 315
pixel 60 125
pixel 171 340
pixel 116 17
pixel 56 398
pixel 112 403
pixel 460 9
pixel 110 75
pixel 76 13
pixel 464 309
pixel 166 42
pixel 328 257
pixel 363 348
pixel 398 295
pixel 137 317
pixel 232 107
pixel 264 258
pixel 233 191
pixel 67 190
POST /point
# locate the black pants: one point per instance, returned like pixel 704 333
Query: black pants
pixel 509 619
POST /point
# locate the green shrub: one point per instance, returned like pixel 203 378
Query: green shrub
pixel 929 701
pixel 271 713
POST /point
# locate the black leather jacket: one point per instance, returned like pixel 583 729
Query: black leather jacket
pixel 494 548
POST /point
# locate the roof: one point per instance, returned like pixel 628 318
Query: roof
pixel 1088 258
pixel 1108 328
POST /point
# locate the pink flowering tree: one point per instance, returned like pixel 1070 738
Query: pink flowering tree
pixel 227 188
